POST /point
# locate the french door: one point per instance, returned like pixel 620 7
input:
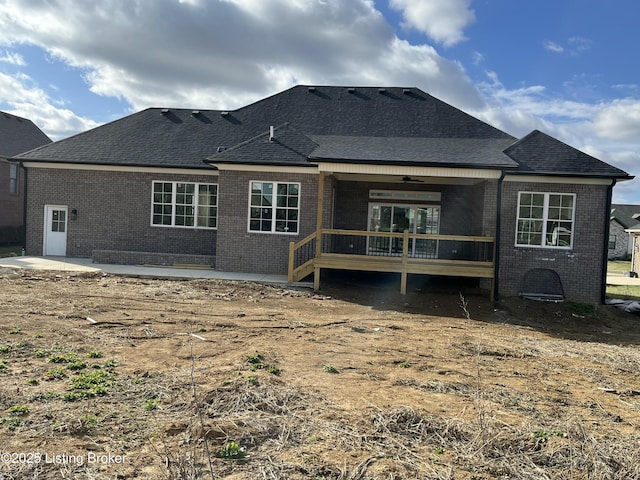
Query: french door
pixel 418 219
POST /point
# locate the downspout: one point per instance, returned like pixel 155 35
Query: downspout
pixel 24 208
pixel 496 260
pixel 605 254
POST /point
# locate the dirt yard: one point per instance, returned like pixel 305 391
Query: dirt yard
pixel 104 377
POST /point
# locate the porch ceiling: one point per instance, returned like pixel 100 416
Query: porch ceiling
pixel 393 173
pixel 402 180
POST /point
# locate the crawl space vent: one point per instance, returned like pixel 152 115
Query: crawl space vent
pixel 542 284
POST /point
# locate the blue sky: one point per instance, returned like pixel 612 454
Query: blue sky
pixel 566 67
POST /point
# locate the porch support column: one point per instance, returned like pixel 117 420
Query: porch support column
pixel 319 213
pixel 405 258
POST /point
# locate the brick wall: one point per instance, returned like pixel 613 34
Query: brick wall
pixel 242 251
pixel 580 269
pixel 623 242
pixel 11 204
pixel 114 213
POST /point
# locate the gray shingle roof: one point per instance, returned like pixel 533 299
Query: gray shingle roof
pixel 468 152
pixel 542 154
pixel 385 125
pixel 626 215
pixel 288 147
pixel 19 135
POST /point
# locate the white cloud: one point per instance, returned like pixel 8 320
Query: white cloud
pixel 13 58
pixel 226 53
pixel 442 20
pixel 619 120
pixel 553 46
pixel 26 100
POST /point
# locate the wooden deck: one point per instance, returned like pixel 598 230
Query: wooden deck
pixel 318 255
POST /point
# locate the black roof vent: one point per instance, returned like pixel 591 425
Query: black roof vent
pixel 351 90
pixel 164 111
pixel 406 91
pixel 311 89
pixel 224 114
pixel 382 90
pixel 195 113
pixel 220 149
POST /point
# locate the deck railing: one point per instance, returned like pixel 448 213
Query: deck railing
pixel 455 255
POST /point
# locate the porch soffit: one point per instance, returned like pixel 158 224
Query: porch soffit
pixel 403 170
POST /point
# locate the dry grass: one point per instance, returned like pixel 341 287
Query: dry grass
pixel 427 386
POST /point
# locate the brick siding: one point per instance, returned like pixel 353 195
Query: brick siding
pixel 114 213
pixel 242 251
pixel 579 269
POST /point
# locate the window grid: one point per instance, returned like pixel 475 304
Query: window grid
pixel 545 220
pixel 274 207
pixel 176 204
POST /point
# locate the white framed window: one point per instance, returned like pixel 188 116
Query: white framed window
pixel 183 204
pixel 13 178
pixel 274 207
pixel 545 219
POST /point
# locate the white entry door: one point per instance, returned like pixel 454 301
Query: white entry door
pixel 55 230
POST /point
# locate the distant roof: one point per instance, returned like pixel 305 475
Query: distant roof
pixel 314 123
pixel 19 135
pixel 625 214
pixel 540 153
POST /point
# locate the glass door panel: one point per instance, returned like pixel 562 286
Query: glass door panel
pixel 397 219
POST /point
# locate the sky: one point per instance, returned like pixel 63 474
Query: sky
pixel 566 67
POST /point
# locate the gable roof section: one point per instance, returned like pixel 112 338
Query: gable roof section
pixel 19 135
pixel 539 153
pixel 288 147
pixel 625 215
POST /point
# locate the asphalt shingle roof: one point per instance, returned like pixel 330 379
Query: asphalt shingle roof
pixel 542 154
pixel 469 152
pixel 18 135
pixel 384 125
pixel 626 215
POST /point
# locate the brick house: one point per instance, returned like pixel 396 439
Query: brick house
pixel 317 178
pixel 634 233
pixel 17 135
pixel 623 217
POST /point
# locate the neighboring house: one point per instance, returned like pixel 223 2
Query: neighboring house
pixel 623 217
pixel 634 232
pixel 17 135
pixel 316 178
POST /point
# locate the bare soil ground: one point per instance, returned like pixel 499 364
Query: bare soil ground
pixel 103 377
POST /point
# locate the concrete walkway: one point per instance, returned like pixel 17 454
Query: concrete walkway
pixel 66 264
pixel 618 279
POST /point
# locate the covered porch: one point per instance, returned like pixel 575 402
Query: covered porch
pixel 401 219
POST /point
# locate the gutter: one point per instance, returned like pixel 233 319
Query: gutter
pixel 605 253
pixel 496 260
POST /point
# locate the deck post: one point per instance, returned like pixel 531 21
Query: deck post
pixel 292 251
pixel 319 213
pixel 405 259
